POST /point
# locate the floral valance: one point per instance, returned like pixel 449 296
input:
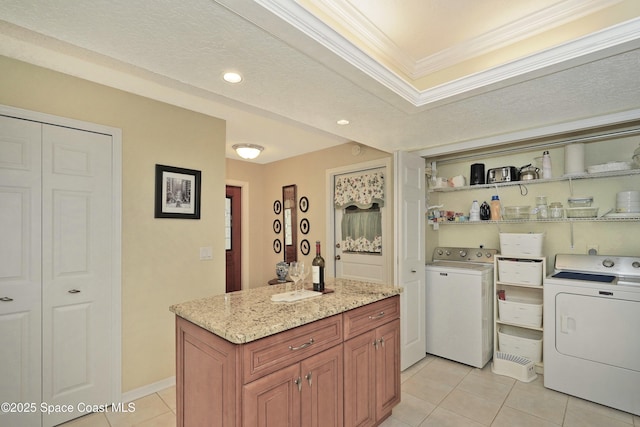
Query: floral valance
pixel 361 190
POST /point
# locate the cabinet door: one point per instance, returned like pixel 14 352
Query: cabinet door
pixel 359 380
pixel 322 389
pixel 387 368
pixel 273 400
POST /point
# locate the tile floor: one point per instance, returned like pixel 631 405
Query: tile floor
pixel 435 392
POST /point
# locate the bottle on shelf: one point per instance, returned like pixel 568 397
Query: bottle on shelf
pixel 485 211
pixel 546 165
pixel 317 270
pixel 496 209
pixel 474 212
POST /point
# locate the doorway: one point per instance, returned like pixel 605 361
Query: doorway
pixel 233 238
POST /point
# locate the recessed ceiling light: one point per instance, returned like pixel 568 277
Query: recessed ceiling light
pixel 343 122
pixel 232 77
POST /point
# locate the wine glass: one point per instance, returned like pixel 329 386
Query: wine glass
pixel 302 274
pixel 294 273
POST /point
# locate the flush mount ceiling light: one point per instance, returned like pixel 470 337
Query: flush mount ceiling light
pixel 248 151
pixel 343 122
pixel 232 77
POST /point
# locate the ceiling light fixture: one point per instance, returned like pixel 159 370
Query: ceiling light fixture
pixel 343 122
pixel 248 151
pixel 232 77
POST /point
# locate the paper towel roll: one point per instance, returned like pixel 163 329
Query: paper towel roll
pixel 574 159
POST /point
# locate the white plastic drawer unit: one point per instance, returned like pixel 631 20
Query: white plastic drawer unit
pixel 520 271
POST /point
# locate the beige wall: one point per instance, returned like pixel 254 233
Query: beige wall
pixel 308 172
pixel 160 257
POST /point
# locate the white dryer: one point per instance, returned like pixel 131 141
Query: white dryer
pixel 459 305
pixel 591 320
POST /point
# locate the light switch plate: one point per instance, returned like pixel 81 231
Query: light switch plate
pixel 206 253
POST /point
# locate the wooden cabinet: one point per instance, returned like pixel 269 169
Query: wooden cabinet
pixel 308 394
pixel 372 364
pixel 307 376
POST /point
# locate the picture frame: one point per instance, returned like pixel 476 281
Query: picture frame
pixel 304 204
pixel 305 247
pixel 177 192
pixel 305 226
pixel 277 207
pixel 277 226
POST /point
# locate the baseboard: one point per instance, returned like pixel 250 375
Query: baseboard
pixel 148 389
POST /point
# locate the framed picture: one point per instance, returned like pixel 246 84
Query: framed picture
pixel 304 226
pixel 177 192
pixel 277 207
pixel 277 226
pixel 304 204
pixel 305 247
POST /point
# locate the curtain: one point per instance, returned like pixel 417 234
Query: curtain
pixel 361 196
pixel 362 231
pixel 361 190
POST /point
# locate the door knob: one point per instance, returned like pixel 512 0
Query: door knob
pixel 74 291
pixel 337 258
pixel 338 245
pixel 6 299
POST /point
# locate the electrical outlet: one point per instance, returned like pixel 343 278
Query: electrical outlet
pixel 592 249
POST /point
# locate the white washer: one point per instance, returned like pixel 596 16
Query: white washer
pixel 459 305
pixel 591 345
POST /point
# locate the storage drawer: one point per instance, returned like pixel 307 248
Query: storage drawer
pixel 370 316
pixel 521 244
pixel 521 342
pixel 521 272
pixel 521 312
pixel 275 352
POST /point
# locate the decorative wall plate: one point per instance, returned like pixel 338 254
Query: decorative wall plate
pixel 304 226
pixel 305 247
pixel 277 246
pixel 277 226
pixel 304 204
pixel 277 207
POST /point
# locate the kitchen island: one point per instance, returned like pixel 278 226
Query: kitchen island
pixel 331 360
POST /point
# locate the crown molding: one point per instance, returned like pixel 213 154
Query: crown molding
pixel 554 59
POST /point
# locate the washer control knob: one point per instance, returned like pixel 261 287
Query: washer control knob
pixel 608 263
pixel 447 253
pixel 479 254
pixel 463 254
pixel 440 252
pixel 489 255
pixel 635 264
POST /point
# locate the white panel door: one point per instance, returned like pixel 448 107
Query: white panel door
pixel 369 267
pixel 77 268
pixel 20 276
pixel 409 247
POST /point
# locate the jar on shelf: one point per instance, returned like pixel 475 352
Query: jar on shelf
pixel 541 207
pixel 556 211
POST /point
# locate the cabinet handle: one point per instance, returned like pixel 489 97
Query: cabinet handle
pixel 305 345
pixel 6 299
pixel 382 341
pixel 375 344
pixel 308 378
pixel 298 382
pixel 74 291
pixel 377 316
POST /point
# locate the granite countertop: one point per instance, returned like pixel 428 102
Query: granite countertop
pixel 248 315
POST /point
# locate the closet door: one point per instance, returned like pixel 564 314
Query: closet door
pixel 20 274
pixel 77 227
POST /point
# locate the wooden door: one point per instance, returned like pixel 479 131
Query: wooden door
pixel 20 268
pixel 387 367
pixel 360 380
pixel 322 379
pixel 77 230
pixel 273 400
pixel 233 238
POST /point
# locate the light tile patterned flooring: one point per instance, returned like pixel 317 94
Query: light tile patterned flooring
pixel 435 393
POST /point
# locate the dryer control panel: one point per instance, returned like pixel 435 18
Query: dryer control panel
pixel 476 255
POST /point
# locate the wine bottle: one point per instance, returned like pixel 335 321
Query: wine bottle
pixel 317 270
